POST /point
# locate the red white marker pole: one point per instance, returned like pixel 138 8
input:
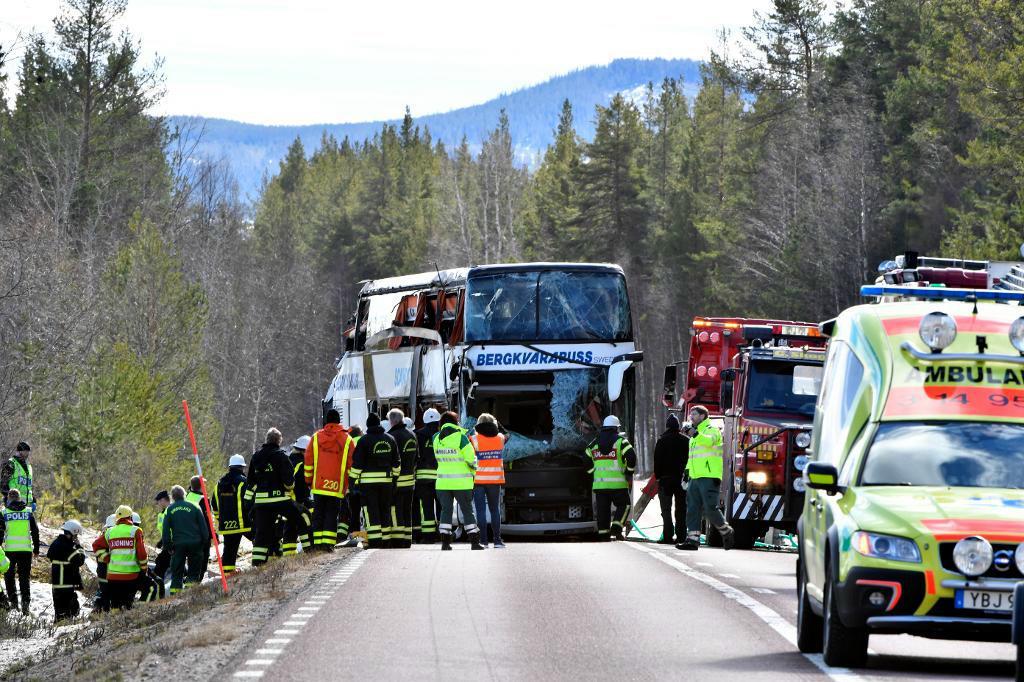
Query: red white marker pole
pixel 206 498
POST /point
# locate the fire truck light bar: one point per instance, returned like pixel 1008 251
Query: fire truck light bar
pixel 943 293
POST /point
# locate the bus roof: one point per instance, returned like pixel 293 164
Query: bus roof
pixel 422 280
pixel 497 268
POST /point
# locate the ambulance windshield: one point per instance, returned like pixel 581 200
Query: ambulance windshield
pixel 953 454
pixel 548 305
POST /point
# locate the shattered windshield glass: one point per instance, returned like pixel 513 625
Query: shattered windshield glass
pixel 565 419
pixel 572 306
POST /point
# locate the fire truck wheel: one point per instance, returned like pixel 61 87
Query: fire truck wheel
pixel 711 535
pixel 746 535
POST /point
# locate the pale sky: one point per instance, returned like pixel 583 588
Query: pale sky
pixel 320 61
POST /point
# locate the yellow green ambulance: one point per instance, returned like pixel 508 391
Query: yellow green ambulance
pixel 913 520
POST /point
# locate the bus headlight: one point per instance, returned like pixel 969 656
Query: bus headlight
pixel 757 478
pixel 937 330
pixel 803 439
pixel 1017 334
pixel 972 556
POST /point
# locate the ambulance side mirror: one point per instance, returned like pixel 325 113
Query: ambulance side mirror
pixel 822 476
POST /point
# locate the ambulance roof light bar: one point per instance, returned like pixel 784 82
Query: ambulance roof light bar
pixel 943 293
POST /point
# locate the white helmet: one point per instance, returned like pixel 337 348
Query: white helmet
pixel 236 461
pixel 110 522
pixel 408 422
pixel 612 420
pixel 431 416
pixel 72 526
pixel 136 519
pixel 302 443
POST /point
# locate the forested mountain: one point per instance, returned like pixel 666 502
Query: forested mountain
pixel 253 150
pixel 131 277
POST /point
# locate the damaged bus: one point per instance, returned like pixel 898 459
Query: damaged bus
pixel 547 348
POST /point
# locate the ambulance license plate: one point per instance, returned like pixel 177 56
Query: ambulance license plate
pixel 983 600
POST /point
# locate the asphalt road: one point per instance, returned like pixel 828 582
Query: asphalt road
pixel 573 610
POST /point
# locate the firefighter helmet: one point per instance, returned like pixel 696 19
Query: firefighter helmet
pixel 431 416
pixel 236 461
pixel 612 420
pixel 302 443
pixel 72 526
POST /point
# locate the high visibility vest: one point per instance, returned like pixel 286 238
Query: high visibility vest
pixel 330 474
pixel 160 523
pixel 456 459
pixel 489 467
pixel 196 499
pixel 123 558
pixel 19 531
pixel 5 563
pixel 705 452
pixel 609 468
pixel 21 480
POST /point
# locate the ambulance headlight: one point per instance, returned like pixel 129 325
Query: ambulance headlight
pixel 803 439
pixel 1017 334
pixel 938 330
pixel 972 556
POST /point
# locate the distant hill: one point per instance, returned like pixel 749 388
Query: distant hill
pixel 252 150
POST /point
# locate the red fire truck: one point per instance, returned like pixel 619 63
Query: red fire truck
pixel 760 377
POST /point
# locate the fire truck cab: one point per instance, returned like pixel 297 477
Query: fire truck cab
pixel 761 378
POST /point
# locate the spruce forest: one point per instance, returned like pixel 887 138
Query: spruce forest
pixel 132 275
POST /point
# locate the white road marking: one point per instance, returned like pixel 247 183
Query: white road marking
pixel 733 576
pixel 705 563
pixel 763 590
pixel 339 579
pixel 770 617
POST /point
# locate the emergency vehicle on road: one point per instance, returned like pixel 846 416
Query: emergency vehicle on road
pixel 914 514
pixel 761 377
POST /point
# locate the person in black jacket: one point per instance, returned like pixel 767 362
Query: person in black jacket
pixel 269 488
pixel 375 468
pixel 670 455
pixel 298 534
pixel 401 509
pixel 66 559
pixel 425 507
pixel 233 514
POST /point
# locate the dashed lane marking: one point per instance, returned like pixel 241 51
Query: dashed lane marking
pixel 731 576
pixel 763 590
pixel 297 620
pixel 706 564
pixel 770 617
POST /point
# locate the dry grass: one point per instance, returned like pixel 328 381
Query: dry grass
pixel 156 640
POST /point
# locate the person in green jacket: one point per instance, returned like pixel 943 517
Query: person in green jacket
pixel 456 471
pixel 186 535
pixel 704 468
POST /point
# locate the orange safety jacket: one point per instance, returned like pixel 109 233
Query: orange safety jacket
pixel 328 460
pixel 489 467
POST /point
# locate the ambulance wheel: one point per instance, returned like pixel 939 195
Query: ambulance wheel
pixel 808 624
pixel 842 647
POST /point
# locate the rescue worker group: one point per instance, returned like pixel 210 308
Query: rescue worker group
pixel 383 487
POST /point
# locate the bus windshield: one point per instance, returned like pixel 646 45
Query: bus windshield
pixel 548 306
pixel 777 386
